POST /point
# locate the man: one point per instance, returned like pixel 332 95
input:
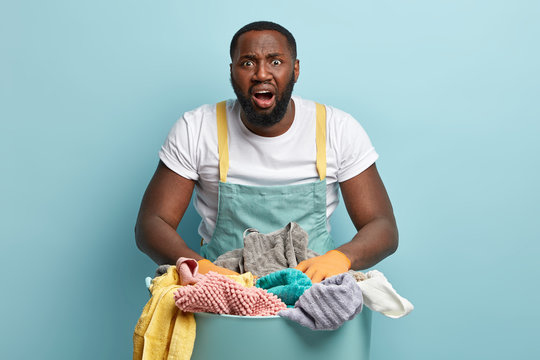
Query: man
pixel 264 160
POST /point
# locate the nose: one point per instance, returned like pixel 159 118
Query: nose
pixel 262 73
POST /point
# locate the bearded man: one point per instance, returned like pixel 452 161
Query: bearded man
pixel 263 160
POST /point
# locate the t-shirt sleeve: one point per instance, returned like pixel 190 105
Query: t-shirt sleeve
pixel 356 153
pixel 178 152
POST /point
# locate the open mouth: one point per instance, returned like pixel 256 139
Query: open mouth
pixel 263 98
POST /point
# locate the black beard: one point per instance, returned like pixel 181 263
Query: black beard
pixel 265 120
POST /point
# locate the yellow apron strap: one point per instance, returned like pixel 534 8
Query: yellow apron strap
pixel 321 140
pixel 223 144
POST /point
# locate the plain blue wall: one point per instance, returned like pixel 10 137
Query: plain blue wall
pixel 447 90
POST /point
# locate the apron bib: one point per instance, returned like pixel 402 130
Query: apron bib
pixel 268 208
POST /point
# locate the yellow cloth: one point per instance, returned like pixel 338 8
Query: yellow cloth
pixel 246 279
pixel 163 331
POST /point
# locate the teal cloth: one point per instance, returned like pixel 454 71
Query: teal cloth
pixel 287 284
pixel 267 209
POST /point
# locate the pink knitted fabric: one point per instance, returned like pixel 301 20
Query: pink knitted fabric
pixel 218 294
pixel 188 270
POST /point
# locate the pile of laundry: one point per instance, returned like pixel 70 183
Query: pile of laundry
pixel 268 285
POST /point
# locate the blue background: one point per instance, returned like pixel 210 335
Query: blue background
pixel 447 90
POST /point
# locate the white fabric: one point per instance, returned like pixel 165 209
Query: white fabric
pixel 380 296
pixel 190 150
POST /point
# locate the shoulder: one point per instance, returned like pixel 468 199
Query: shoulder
pixel 335 118
pixel 338 117
pixel 200 119
pixel 344 131
pixel 200 114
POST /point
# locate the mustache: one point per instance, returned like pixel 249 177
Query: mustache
pixel 250 90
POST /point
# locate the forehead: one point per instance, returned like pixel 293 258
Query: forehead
pixel 262 43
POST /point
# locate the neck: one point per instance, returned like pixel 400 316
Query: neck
pixel 275 130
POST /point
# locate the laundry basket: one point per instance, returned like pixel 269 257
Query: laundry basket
pixel 276 338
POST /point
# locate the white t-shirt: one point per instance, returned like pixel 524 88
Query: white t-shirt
pixel 191 150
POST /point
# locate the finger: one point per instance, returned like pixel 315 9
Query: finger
pixel 311 272
pixel 318 277
pixel 302 266
pixel 331 273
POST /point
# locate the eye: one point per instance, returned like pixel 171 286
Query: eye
pixel 276 62
pixel 247 63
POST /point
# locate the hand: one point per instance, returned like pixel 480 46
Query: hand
pixel 321 267
pixel 206 265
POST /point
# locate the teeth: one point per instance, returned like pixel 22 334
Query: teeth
pixel 263 92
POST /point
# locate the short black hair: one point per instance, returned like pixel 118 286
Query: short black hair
pixel 261 26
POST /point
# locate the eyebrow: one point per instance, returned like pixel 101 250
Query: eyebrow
pixel 271 55
pixel 248 56
pixel 253 56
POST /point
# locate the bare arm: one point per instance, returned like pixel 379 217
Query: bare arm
pixel 163 206
pixel 371 212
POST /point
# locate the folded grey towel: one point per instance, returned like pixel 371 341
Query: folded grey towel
pixel 266 253
pixel 328 304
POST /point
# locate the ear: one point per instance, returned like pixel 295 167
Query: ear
pixel 296 69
